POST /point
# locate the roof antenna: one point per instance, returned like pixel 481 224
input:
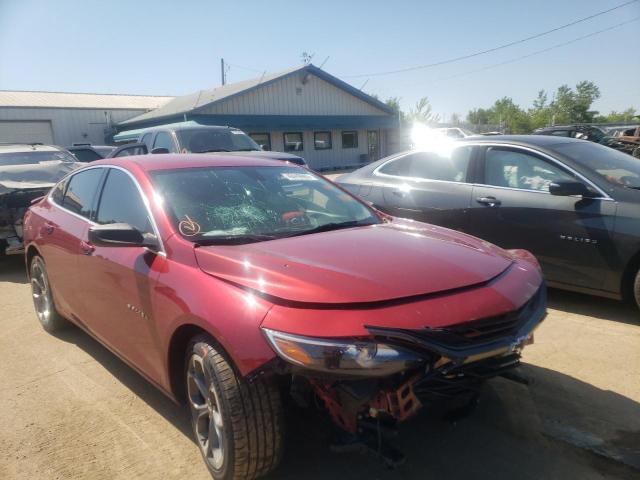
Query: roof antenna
pixel 325 61
pixel 263 74
pixel 365 82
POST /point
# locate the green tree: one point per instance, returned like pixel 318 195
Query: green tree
pixel 423 112
pixel 478 116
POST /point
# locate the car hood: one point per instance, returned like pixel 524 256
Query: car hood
pixel 33 176
pixel 266 154
pixel 357 265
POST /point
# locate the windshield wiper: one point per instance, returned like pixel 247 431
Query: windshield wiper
pixel 247 150
pixel 234 239
pixel 213 150
pixel 327 227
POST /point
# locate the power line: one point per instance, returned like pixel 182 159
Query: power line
pixel 538 52
pixel 483 52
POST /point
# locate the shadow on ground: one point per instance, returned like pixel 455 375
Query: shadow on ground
pixel 557 427
pixel 588 305
pixel 12 269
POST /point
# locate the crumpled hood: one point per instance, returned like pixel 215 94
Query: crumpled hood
pixel 33 176
pixel 357 265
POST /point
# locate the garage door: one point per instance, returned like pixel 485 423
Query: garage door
pixel 26 132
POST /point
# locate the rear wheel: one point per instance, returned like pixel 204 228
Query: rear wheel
pixel 237 424
pixel 636 289
pixel 46 311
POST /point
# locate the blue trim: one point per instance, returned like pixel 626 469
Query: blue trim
pixel 282 122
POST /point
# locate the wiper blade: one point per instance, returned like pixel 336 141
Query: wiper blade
pixel 247 150
pixel 233 239
pixel 327 227
pixel 213 150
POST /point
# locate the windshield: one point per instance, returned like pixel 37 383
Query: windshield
pixel 34 157
pixel 615 167
pixel 215 140
pixel 247 204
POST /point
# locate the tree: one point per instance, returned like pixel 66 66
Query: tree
pixel 423 112
pixel 478 116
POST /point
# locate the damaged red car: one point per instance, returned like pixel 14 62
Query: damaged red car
pixel 229 283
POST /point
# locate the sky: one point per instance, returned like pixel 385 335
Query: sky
pixel 164 47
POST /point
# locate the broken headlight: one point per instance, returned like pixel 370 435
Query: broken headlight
pixel 346 357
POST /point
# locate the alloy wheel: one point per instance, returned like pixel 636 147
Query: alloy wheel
pixel 40 291
pixel 206 414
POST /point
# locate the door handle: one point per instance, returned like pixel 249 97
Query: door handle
pixel 87 248
pixel 489 201
pixel 47 228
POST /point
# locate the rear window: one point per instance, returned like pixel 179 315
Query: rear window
pixel 215 140
pixel 34 157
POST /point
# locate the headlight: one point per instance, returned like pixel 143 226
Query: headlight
pixel 366 358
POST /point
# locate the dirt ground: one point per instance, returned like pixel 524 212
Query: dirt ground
pixel 70 409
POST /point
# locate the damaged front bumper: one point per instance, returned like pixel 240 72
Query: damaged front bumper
pixel 408 368
pixel 13 206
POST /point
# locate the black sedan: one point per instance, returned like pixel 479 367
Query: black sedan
pixel 573 203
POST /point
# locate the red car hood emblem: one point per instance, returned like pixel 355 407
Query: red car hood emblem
pixel 357 265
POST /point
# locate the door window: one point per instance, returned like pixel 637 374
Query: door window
pixel 516 169
pixel 86 155
pixel 121 202
pixel 81 192
pixel 146 139
pixel 432 166
pixel 164 140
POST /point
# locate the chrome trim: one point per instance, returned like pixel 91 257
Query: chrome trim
pixel 145 201
pixel 604 195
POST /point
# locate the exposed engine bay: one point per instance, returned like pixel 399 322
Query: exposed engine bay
pixel 13 206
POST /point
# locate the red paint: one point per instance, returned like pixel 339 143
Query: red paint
pixel 134 301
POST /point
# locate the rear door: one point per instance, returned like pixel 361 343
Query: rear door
pixel 512 208
pixel 72 204
pixel 428 187
pixel 117 282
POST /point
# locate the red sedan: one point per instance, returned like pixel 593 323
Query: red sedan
pixel 228 282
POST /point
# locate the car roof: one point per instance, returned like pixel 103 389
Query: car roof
pixel 536 140
pixel 28 147
pixel 171 161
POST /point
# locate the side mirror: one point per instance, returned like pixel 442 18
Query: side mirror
pixel 160 150
pixel 566 188
pixel 118 235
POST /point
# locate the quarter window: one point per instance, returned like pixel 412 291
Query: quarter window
pixel 432 166
pixel 121 202
pixel 350 139
pixel 262 139
pixel 164 140
pixel 57 194
pixel 514 169
pixel 322 140
pixel 81 192
pixel 293 142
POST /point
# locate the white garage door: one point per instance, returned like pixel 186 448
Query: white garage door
pixel 26 132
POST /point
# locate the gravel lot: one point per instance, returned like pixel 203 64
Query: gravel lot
pixel 70 409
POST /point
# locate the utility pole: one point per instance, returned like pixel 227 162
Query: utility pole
pixel 222 74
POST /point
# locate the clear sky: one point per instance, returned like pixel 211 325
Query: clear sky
pixel 166 47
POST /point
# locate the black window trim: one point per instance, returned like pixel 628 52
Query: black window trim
pixel 330 147
pixel 284 141
pixel 342 139
pixel 268 134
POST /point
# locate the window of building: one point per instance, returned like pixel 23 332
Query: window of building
pixel 350 139
pixel 121 202
pixel 293 142
pixel 262 139
pixel 81 192
pixel 164 140
pixel 322 140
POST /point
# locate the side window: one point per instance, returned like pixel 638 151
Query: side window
pixel 57 194
pixel 432 166
pixel 81 192
pixel 86 155
pixel 146 139
pixel 560 133
pixel 164 140
pixel 137 149
pixel 121 202
pixel 514 169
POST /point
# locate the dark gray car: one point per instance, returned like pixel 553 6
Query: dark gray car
pixel 573 203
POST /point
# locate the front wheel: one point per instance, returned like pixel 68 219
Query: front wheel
pixel 237 424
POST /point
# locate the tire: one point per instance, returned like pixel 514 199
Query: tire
pixel 636 289
pixel 46 311
pixel 244 441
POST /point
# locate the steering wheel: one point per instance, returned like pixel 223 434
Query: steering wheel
pixel 295 218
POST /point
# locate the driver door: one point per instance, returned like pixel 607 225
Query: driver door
pixel 512 208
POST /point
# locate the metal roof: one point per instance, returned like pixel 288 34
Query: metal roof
pixel 203 98
pixel 29 99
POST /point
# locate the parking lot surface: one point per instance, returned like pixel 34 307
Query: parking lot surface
pixel 71 409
